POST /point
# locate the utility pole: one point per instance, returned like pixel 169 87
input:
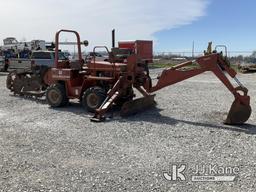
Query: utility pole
pixel 193 49
pixel 113 38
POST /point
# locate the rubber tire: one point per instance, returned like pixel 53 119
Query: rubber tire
pixel 61 91
pixel 10 80
pixel 6 66
pixel 97 91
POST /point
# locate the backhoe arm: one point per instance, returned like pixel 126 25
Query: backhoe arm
pixel 178 73
pixel 240 110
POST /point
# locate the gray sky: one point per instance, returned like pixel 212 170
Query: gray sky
pixel 94 19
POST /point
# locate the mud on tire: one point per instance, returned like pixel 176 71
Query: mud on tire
pixel 93 98
pixel 56 95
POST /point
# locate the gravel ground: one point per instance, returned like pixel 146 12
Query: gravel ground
pixel 44 149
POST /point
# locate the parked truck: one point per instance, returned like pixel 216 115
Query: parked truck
pixel 30 76
pixel 17 54
pixel 39 58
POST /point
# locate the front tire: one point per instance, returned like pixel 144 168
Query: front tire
pixel 93 98
pixel 56 95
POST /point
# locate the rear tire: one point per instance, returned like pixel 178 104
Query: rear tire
pixel 93 98
pixel 6 65
pixel 56 95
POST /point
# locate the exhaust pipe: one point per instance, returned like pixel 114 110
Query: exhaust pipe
pixel 113 38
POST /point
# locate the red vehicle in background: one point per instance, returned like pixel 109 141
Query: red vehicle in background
pixel 139 47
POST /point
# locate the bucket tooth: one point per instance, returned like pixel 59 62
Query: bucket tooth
pixel 137 105
pixel 238 114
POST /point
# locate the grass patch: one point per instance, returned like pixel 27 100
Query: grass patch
pixel 167 65
pixel 235 67
pixel 160 65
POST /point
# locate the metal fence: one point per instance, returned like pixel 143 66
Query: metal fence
pixel 235 57
pixel 198 53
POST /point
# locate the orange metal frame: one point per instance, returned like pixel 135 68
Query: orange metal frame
pixel 213 62
pixel 136 75
pixel 57 37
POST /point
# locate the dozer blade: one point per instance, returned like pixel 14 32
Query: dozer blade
pixel 238 114
pixel 137 105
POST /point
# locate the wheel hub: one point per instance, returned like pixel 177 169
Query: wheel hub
pixel 92 100
pixel 54 96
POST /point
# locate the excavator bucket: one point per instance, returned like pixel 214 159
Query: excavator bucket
pixel 238 114
pixel 137 105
